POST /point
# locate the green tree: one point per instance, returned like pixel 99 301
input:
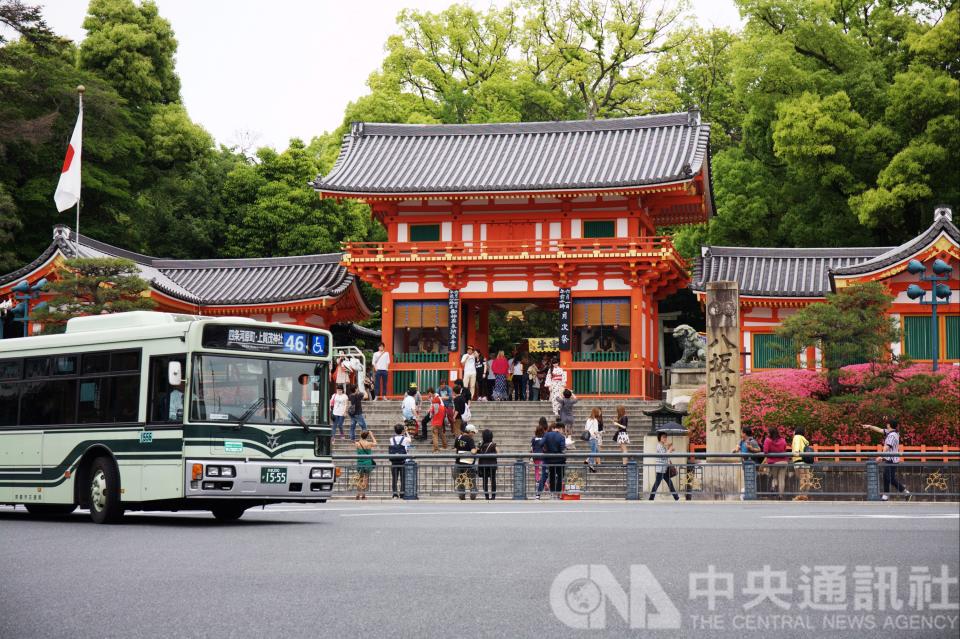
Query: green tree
pixel 133 48
pixel 851 326
pixel 93 286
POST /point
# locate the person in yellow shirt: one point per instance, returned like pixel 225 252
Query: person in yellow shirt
pixel 799 444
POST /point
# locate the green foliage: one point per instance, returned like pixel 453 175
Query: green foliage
pixel 133 48
pixel 851 326
pixel 93 286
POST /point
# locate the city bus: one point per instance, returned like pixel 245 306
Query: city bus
pixel 157 411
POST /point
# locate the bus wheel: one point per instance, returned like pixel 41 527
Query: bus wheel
pixel 228 512
pixel 50 510
pixel 105 492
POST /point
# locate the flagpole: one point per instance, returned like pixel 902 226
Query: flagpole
pixel 76 244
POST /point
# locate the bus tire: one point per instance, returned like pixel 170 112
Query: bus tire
pixel 50 510
pixel 228 512
pixel 104 491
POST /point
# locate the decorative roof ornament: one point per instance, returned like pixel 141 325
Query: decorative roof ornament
pixel 943 211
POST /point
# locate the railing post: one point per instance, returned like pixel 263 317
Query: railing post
pixel 633 481
pixel 410 479
pixel 749 480
pixel 519 479
pixel 873 480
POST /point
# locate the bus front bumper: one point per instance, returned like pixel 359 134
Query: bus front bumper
pixel 277 479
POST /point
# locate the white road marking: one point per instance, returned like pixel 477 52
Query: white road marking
pixel 867 516
pixel 480 512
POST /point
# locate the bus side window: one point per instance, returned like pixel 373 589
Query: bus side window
pixel 166 401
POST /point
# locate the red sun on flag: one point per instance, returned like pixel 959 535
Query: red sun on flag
pixel 68 160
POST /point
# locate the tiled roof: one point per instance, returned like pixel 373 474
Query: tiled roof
pixel 513 157
pixel 776 272
pixel 216 282
pixel 943 224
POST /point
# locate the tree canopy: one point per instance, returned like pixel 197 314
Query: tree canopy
pixel 834 122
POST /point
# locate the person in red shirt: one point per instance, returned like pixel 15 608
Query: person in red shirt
pixel 437 415
pixel 501 368
pixel 774 444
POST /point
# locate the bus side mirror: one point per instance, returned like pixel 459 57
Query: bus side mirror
pixel 174 374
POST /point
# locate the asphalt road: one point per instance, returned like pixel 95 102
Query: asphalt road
pixel 477 569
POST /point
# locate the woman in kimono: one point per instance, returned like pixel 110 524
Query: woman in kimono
pixel 557 382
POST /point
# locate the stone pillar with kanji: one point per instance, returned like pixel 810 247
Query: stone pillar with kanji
pixel 723 379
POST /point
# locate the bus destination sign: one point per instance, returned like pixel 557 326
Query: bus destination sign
pixel 265 340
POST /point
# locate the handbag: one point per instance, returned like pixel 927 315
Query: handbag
pixel 672 470
pixel 807 456
pixel 467 414
pixel 585 435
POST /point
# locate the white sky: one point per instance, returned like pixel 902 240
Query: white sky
pixel 286 68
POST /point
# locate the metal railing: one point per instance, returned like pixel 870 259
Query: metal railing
pixel 694 476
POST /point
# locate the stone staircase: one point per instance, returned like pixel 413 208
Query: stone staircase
pixel 513 424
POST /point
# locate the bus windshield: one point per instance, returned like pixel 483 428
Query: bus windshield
pixel 259 391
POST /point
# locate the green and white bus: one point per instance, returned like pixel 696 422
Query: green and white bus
pixel 154 411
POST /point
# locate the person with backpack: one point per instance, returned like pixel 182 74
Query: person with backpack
pixel 891 446
pixel 464 467
pixel 802 454
pixel 461 407
pixel 487 466
pixel 399 444
pixel 554 460
pixel 622 438
pixel 355 411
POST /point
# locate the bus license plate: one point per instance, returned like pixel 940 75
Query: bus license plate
pixel 273 475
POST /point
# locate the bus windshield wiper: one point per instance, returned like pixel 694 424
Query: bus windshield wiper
pixel 293 415
pixel 247 414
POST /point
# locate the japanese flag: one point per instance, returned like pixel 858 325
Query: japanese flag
pixel 68 189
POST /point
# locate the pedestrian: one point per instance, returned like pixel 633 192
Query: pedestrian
pixel 426 414
pixel 469 363
pixel 355 411
pixel 461 407
pixel 381 365
pixel 487 466
pixel 533 386
pixel 891 446
pixel 491 379
pixel 554 445
pixel 480 367
pixel 798 447
pixel 622 438
pixel 599 433
pixel 500 369
pixel 438 418
pixel 748 448
pixel 565 414
pixel 365 462
pixel 557 381
pixel 536 448
pixel 519 379
pixel 409 409
pixel 774 444
pixel 665 470
pixel 399 447
pixel 591 434
pixel 338 408
pixel 342 373
pixel 464 467
pixel 543 368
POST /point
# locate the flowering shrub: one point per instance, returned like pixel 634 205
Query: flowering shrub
pixel 927 404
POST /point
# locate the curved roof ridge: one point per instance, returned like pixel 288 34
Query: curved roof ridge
pixel 362 129
pixel 943 225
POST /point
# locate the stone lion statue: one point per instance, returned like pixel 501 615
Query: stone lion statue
pixel 694 353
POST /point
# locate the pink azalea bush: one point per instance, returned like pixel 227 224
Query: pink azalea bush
pixel 927 404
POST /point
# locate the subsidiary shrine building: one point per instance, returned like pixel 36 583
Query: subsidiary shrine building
pixel 555 216
pixel 310 290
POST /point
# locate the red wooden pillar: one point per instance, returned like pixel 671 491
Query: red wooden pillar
pixel 637 318
pixel 483 330
pixel 386 330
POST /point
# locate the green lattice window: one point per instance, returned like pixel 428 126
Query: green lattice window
pixel 771 351
pixel 599 228
pixel 917 337
pixel 603 382
pixel 952 325
pixel 424 232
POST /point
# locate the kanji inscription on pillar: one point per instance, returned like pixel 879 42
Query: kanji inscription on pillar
pixel 723 366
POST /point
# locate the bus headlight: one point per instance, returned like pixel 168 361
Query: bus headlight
pixel 213 471
pixel 221 471
pixel 321 473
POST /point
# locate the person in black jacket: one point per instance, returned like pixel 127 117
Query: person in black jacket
pixel 554 445
pixel 464 468
pixel 488 465
pixel 461 400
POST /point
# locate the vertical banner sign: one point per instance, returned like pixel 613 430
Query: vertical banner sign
pixel 565 319
pixel 453 302
pixel 723 367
